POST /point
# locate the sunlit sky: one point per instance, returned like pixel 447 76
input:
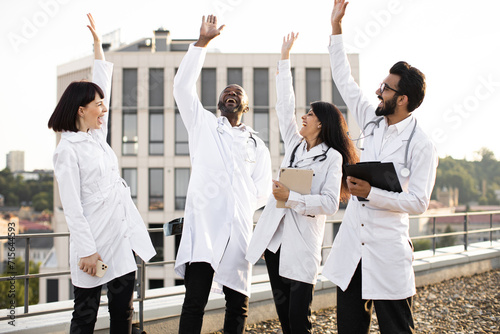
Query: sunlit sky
pixel 455 43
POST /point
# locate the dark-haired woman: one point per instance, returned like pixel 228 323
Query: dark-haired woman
pixel 291 237
pixel 103 221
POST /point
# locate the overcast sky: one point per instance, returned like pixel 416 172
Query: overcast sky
pixel 455 43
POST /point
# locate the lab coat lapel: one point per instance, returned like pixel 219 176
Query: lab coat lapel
pixel 226 139
pixel 397 142
pixel 378 133
pixel 316 150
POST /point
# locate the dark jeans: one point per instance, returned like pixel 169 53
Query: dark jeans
pixel 354 313
pixel 292 298
pixel 198 281
pixel 120 296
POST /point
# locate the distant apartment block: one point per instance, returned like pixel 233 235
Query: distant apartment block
pixel 15 161
pixel 151 143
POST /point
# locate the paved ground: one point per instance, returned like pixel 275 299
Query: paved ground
pixel 460 305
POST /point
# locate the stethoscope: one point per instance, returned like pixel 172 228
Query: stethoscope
pixel 251 145
pixel 319 157
pixel 405 171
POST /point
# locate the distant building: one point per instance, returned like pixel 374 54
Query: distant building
pixel 15 161
pixel 151 143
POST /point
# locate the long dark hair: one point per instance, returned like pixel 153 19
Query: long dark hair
pixel 78 94
pixel 334 134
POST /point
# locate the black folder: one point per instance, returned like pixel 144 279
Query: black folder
pixel 379 174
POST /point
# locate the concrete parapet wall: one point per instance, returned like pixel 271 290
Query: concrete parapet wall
pixel 161 315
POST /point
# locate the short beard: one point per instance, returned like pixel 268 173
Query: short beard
pixel 230 110
pixel 388 107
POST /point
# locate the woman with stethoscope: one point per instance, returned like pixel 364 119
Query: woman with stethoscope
pixel 291 238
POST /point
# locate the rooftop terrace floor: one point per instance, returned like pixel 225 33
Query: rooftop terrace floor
pixel 468 304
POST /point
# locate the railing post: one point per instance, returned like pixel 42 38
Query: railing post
pixel 466 231
pixel 26 272
pixel 491 229
pixel 141 291
pixel 434 237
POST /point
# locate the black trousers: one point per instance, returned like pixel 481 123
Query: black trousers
pixel 354 313
pixel 292 298
pixel 198 281
pixel 120 298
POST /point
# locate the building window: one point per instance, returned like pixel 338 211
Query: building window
pixel 156 117
pixel 208 89
pixel 130 176
pixel 181 186
pixel 339 101
pixel 157 240
pixel 235 76
pixel 156 132
pixel 261 103
pixel 313 86
pixel 156 284
pixel 156 189
pixel 129 126
pixel 181 135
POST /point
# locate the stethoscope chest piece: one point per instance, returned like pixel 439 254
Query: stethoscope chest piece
pixel 405 172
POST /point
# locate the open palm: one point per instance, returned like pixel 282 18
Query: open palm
pixel 338 11
pixel 209 28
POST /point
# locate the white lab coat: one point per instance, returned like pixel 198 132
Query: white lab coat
pixel 99 210
pixel 230 179
pixel 303 223
pixel 378 231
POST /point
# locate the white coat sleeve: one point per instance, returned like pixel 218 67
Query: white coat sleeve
pixel 102 74
pixel 356 101
pixel 262 175
pixel 285 105
pixel 185 93
pixel 327 201
pixel 67 173
pixel 423 161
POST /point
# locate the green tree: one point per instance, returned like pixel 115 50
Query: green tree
pixel 42 201
pixel 453 173
pixel 18 288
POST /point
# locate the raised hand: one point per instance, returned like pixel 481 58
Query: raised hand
pixel 338 13
pixel 98 52
pixel 208 30
pixel 288 41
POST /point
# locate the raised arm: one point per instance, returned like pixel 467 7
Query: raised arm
pixel 98 51
pixel 186 97
pixel 285 102
pixel 102 74
pixel 338 13
pixel 356 101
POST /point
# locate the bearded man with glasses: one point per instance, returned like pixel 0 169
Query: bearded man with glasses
pixel 371 257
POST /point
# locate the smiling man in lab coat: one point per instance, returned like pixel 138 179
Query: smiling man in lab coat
pixel 371 257
pixel 230 179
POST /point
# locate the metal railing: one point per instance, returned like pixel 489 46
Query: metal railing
pixel 142 267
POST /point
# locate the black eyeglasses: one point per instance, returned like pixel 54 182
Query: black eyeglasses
pixel 383 86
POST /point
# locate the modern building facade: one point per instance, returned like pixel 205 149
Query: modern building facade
pixel 150 140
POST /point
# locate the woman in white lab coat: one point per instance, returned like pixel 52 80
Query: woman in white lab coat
pixel 103 221
pixel 291 238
